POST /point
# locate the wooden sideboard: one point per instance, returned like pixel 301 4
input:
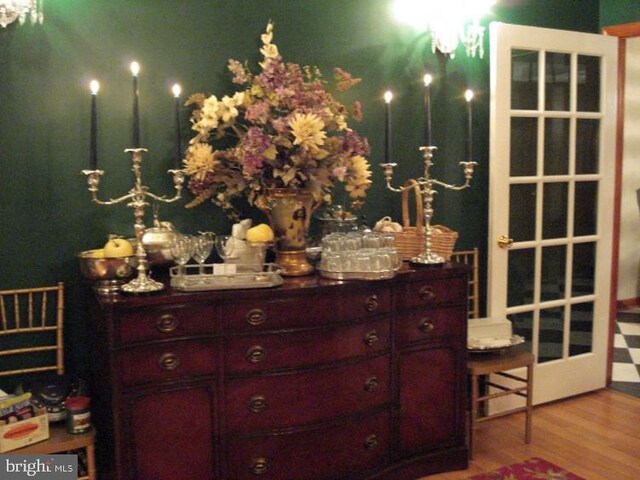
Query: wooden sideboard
pixel 314 380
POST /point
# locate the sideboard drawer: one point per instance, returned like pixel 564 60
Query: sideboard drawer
pixel 280 401
pixel 306 310
pixel 163 323
pixel 335 452
pixel 308 347
pixel 432 292
pixel 419 325
pixel 178 359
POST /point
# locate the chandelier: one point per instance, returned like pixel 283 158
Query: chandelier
pixel 12 10
pixel 449 22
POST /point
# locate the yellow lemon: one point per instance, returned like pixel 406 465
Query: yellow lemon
pixel 260 233
pixel 98 253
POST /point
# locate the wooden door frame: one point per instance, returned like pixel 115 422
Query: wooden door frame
pixel 622 31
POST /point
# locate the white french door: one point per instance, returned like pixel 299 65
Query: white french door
pixel 551 199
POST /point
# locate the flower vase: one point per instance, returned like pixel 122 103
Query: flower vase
pixel 289 212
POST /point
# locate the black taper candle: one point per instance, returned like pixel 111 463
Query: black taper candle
pixel 387 122
pixel 93 147
pixel 469 96
pixel 135 138
pixel 427 110
pixel 176 104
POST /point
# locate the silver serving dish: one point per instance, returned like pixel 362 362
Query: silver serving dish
pixel 225 276
pixel 108 274
pixel 157 241
pixel 373 275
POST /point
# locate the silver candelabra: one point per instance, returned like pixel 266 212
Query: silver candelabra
pixel 137 198
pixel 426 184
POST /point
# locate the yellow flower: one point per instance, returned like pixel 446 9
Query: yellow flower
pixel 199 160
pixel 307 128
pixel 358 181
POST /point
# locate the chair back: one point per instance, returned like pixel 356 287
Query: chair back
pixel 470 257
pixel 31 330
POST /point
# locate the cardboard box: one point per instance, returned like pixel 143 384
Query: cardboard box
pixel 24 432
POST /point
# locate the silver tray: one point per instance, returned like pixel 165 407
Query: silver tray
pixel 499 344
pixel 222 276
pixel 377 275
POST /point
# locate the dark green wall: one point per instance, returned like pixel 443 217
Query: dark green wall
pixel 46 217
pixel 615 12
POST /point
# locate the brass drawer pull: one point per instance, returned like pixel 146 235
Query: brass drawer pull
pixel 256 354
pixel 426 325
pixel 371 384
pixel 371 442
pixel 259 466
pixel 169 361
pixel 371 338
pixel 256 316
pixel 257 403
pixel 427 293
pixel 167 323
pixel 371 304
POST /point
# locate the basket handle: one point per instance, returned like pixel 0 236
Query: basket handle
pixel 406 222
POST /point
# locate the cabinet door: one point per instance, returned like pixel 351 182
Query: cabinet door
pixel 171 435
pixel 431 399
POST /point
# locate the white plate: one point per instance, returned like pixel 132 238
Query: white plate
pixel 491 344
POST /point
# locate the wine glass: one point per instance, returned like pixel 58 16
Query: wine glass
pixel 182 249
pixel 222 246
pixel 202 246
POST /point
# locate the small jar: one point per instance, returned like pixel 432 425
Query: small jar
pixel 78 414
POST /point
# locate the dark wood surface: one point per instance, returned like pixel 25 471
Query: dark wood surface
pixel 317 379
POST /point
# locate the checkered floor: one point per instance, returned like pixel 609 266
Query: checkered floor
pixel 626 354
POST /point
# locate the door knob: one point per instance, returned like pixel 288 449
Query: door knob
pixel 505 242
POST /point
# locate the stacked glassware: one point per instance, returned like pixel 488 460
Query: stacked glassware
pixel 359 255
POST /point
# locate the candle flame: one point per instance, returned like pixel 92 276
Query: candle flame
pixel 176 90
pixel 388 96
pixel 468 95
pixel 427 80
pixel 94 85
pixel 135 68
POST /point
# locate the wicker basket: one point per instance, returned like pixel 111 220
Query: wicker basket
pixel 411 241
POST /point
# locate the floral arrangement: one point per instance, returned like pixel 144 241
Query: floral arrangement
pixel 285 129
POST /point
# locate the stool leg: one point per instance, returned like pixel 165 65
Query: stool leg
pixel 527 429
pixel 91 462
pixel 475 393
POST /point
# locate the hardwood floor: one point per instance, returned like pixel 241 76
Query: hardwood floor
pixel 596 436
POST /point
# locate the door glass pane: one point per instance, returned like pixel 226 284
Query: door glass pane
pixel 522 211
pixel 585 209
pixel 554 210
pixel 524 80
pixel 588 83
pixel 524 141
pixel 583 274
pixel 554 261
pixel 551 334
pixel 556 146
pixel 521 275
pixel 522 324
pixel 557 81
pixel 581 329
pixel 587 145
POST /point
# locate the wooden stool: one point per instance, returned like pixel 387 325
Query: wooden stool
pixel 60 441
pixel 497 364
